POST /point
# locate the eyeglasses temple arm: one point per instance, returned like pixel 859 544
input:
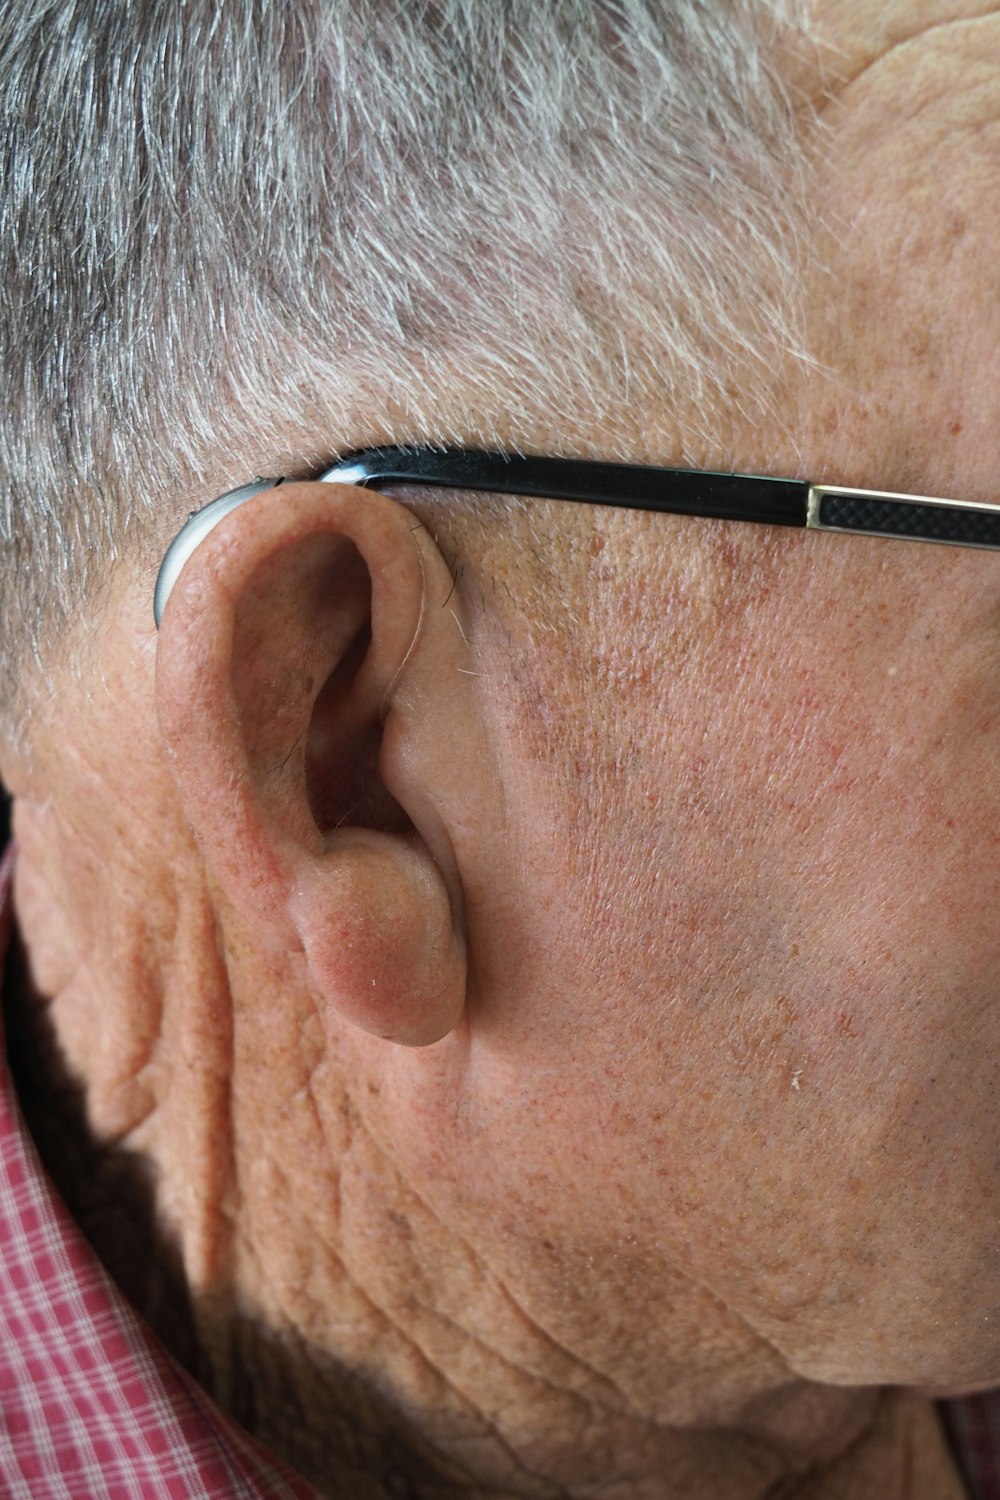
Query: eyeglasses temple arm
pixel 727 497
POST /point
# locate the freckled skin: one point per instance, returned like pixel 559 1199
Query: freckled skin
pixel 711 1151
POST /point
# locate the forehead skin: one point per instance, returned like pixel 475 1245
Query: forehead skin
pixel 907 316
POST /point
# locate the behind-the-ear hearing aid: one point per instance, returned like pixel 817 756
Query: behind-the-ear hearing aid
pixel 200 522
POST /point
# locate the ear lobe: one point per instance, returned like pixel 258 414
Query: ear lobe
pixel 375 922
pixel 295 629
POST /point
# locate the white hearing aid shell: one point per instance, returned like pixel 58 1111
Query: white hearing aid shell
pixel 200 522
pixel 195 530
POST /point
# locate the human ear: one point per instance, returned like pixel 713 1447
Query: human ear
pixel 310 687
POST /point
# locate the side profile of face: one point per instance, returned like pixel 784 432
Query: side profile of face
pixel 718 820
pixel 772 872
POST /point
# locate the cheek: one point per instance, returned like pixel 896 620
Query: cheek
pixel 834 918
pixel 776 860
pixel 873 1188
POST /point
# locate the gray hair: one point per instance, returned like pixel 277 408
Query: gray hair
pixel 242 236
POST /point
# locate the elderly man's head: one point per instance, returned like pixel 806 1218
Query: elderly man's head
pixel 545 953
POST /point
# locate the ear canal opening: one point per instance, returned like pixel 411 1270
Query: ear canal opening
pixel 343 784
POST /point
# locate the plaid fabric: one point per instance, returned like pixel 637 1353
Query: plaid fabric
pixel 92 1408
pixel 973 1428
pixel 90 1404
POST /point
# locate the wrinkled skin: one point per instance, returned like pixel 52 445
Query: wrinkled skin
pixel 706 1135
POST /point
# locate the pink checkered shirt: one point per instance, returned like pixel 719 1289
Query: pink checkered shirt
pixel 92 1406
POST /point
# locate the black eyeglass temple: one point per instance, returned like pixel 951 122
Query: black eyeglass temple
pixel 726 497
